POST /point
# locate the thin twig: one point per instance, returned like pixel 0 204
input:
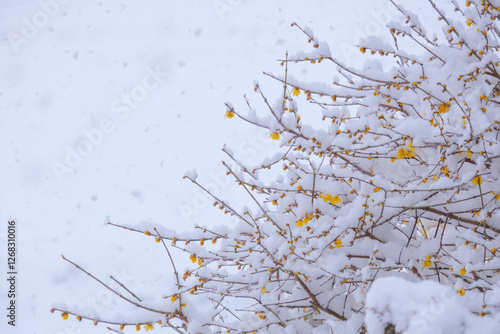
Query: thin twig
pixel 123 286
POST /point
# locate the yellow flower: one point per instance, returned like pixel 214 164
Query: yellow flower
pixel 334 98
pixel 427 263
pixel 174 298
pixel 469 154
pixel 193 258
pixel 200 262
pixel 262 316
pixel 329 198
pixel 443 108
pixel 275 136
pixel 376 190
pixel 299 223
pixel 229 114
pixel 493 250
pixel 470 22
pixel 64 315
pixel 338 243
pixel 477 180
pixel 497 197
pixel 363 49
pixel 461 291
pixel 148 327
pixel 263 290
pixel 295 91
pixel 406 153
pixel 307 218
pixel 462 272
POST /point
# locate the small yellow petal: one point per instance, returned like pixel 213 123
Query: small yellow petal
pixel 404 153
pixel 64 315
pixel 299 223
pixel 461 291
pixel 275 136
pixel 307 218
pixel 338 243
pixel 229 114
pixel 401 154
pixel 477 180
pixel 296 91
pixel 427 263
pixel 462 272
pixel 376 190
pixel 174 298
pixel 443 108
pixel 263 290
pixel 193 258
pixel 335 200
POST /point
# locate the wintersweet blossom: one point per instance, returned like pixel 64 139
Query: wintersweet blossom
pixel 406 152
pixel 477 180
pixel 332 199
pixel 427 263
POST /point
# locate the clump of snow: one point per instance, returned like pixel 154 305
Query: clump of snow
pixel 422 307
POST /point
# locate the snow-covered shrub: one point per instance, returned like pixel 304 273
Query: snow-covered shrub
pixel 391 170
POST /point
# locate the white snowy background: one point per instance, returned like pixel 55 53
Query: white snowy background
pixel 69 68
